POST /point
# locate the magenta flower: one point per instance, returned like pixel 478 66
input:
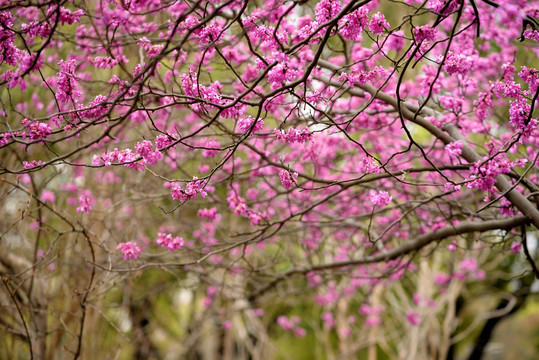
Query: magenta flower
pixel 130 250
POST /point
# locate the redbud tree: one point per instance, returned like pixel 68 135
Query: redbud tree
pixel 246 179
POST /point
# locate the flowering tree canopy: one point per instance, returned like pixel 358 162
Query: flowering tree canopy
pixel 343 173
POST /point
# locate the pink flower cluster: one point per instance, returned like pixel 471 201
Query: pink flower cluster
pixel 360 77
pixel 210 214
pixel 369 166
pixel 95 109
pixel 516 246
pixel 281 73
pixel 171 243
pixel 163 140
pixel 151 50
pixel 264 34
pixel 66 81
pixel 328 319
pixel 378 24
pixel 37 130
pixel 8 52
pixel 86 201
pixel 380 198
pixel 66 15
pixel 239 206
pixel 48 196
pixel 424 33
pixel 288 179
pixel 245 123
pixel 191 190
pixel 353 24
pixel 469 267
pixel 291 324
pixel 209 34
pixel 484 173
pixel 530 77
pixel 451 103
pixel 210 94
pixel 104 62
pixel 130 250
pixel 531 34
pixel 454 149
pixel 372 313
pixel 5 138
pixel 519 113
pixel 211 291
pixel 126 156
pixel 326 10
pixel 293 135
pixel 31 164
pixel 148 153
pixel 35 28
pixel 413 317
pixel 457 64
pixel 506 208
pixel 211 147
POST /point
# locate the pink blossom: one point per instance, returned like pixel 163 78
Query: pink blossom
pixel 457 64
pixel 130 250
pixel 378 24
pixel 211 147
pixel 280 74
pixel 104 62
pixel 380 198
pixel 369 165
pixel 396 40
pixel 413 318
pixel 5 138
pixel 424 33
pixel 530 77
pixel 86 201
pixel 285 323
pixel 468 265
pixel 327 317
pixel 288 179
pixel 442 279
pixel 32 164
pixel 66 81
pixel 66 15
pixel 237 204
pixel 206 302
pixel 171 243
pixel 212 290
pixel 191 190
pixel 34 225
pixel 293 135
pixel 246 123
pixel 506 208
pixel 516 246
pixel 484 173
pixel 327 9
pixel 38 130
pixel 145 150
pixel 353 24
pixel 451 187
pixel 48 196
pixel 373 320
pixel 531 34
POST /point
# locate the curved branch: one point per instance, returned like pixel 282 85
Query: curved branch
pixel 412 246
